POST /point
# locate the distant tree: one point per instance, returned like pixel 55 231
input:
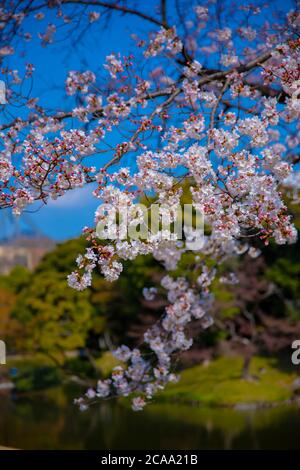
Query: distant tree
pixel 10 286
pixel 55 319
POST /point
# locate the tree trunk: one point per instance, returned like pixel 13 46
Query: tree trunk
pixel 246 368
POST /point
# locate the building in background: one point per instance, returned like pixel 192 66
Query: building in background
pixel 21 243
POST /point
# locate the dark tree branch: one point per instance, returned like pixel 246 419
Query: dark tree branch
pixel 164 12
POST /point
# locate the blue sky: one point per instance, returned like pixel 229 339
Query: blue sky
pixel 66 217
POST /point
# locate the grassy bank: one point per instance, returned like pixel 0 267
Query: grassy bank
pixel 219 383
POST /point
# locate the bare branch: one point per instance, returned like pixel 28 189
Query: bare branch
pixel 164 12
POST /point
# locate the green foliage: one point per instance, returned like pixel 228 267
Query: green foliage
pixel 225 298
pixel 55 317
pixel 144 271
pixel 37 378
pixel 283 269
pixel 63 258
pixel 212 336
pixel 79 366
pixel 285 272
pixel 16 280
pixel 106 363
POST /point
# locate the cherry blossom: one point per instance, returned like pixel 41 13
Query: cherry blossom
pixel 201 111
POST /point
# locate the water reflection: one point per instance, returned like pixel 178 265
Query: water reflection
pixel 50 421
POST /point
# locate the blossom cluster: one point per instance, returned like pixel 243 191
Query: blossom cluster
pixel 145 372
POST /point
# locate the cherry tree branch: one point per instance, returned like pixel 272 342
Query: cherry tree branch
pixel 110 6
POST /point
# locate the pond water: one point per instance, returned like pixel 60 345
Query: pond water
pixel 51 421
